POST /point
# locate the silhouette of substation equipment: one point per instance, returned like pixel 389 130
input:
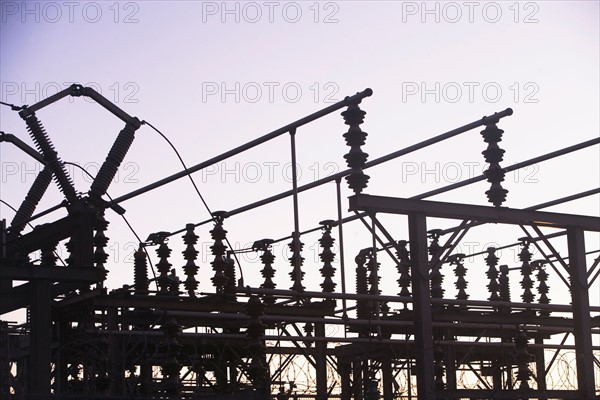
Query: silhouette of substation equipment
pixel 163 338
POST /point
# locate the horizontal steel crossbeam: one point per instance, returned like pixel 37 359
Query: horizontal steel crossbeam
pixel 502 215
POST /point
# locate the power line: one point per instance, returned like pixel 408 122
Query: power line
pixel 189 175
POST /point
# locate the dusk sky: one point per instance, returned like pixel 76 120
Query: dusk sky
pixel 214 75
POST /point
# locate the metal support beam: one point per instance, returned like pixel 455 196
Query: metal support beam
pixel 357 379
pixel 540 365
pixel 503 215
pixel 388 378
pixel 450 362
pixel 341 240
pixel 346 385
pixel 60 368
pixel 417 231
pixel 581 313
pixel 115 372
pixel 321 361
pixel 88 274
pixel 5 284
pixel 38 367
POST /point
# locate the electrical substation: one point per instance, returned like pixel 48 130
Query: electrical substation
pixel 334 333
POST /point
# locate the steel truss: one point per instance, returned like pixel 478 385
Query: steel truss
pixel 163 338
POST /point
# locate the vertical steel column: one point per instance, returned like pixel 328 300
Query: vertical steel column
pixel 38 367
pixel 61 359
pixel 540 365
pixel 220 373
pixel 409 372
pixel 145 377
pixel 295 199
pixel 321 362
pixel 417 231
pixel 344 371
pixel 366 377
pixel 388 378
pixel 4 360
pixel 233 376
pixel 116 373
pixel 357 381
pixel 497 375
pixel 450 361
pixel 338 182
pixel 375 282
pixel 5 284
pixel 581 312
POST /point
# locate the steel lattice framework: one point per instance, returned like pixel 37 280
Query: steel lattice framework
pixel 163 338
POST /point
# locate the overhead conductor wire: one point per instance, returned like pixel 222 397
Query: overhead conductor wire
pixel 189 175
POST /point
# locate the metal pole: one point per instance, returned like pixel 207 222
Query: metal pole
pixel 341 235
pixel 321 362
pixel 581 313
pixel 38 366
pixel 297 260
pixel 417 228
pixel 375 272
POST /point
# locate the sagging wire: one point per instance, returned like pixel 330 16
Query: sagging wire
pixel 189 175
pixel 31 226
pixel 124 219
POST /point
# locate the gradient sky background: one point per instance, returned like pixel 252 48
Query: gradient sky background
pixel 163 62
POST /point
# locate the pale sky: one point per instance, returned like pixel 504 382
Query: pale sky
pixel 214 75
